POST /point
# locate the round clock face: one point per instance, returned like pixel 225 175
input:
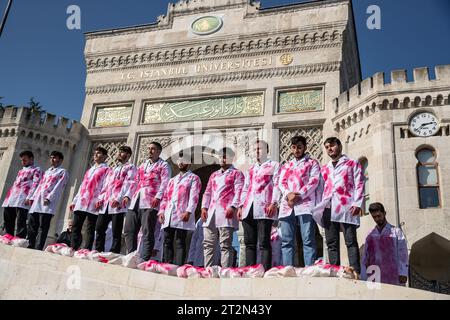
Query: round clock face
pixel 424 124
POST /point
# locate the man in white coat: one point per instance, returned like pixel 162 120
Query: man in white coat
pixel 258 207
pixel 385 250
pixel 17 200
pixel 219 209
pixel 298 181
pixel 177 211
pixel 83 205
pixel 341 204
pixel 110 205
pixel 45 200
pixel 143 201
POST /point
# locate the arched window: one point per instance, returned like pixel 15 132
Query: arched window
pixel 428 178
pixel 365 164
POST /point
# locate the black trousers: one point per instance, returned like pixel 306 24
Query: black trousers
pixel 257 231
pixel 135 219
pixel 10 214
pixel 38 223
pixel 179 235
pixel 78 220
pixel 103 221
pixel 332 230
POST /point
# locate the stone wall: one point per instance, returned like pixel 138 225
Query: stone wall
pixel 30 274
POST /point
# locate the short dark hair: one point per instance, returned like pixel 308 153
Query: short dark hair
pixel 227 151
pixel 298 139
pixel 57 154
pixel 102 150
pixel 333 140
pixel 157 144
pixel 264 143
pixel 27 153
pixel 126 149
pixel 376 206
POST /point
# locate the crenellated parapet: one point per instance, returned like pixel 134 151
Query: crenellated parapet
pixel 39 127
pixel 374 94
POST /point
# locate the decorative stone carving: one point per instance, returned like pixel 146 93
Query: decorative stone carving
pixel 313 135
pixel 115 116
pixel 204 109
pixel 300 101
pixel 112 146
pixel 145 141
pixel 290 71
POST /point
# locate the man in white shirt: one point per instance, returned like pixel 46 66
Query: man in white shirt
pixel 110 205
pixel 219 209
pixel 83 205
pixel 45 200
pixel 143 201
pixel 17 201
pixel 177 211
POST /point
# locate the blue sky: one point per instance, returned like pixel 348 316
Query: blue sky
pixel 40 57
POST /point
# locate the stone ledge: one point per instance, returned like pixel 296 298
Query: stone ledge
pixel 30 274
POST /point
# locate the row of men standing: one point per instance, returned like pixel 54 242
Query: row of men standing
pixel 292 193
pixel 267 192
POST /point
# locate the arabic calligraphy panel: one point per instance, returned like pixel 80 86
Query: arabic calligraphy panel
pixel 116 116
pixel 204 109
pixel 300 101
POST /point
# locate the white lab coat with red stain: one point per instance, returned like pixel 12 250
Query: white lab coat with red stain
pixel 26 182
pixel 150 182
pixel 389 251
pixel 89 192
pixel 223 191
pixel 181 195
pixel 303 177
pixel 51 187
pixel 343 189
pixel 116 186
pixel 260 189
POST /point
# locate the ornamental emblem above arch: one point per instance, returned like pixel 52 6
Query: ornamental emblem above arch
pixel 206 25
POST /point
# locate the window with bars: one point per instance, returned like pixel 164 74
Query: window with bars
pixel 428 178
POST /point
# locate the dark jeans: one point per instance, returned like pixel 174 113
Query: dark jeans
pixel 103 221
pixel 9 216
pixel 257 231
pixel 135 219
pixel 78 221
pixel 38 223
pixel 180 246
pixel 332 230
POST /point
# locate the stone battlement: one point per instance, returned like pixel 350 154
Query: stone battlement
pixel 376 84
pixel 40 121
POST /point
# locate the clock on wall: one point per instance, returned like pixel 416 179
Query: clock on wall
pixel 424 124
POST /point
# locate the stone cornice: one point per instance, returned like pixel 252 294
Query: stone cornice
pixel 224 77
pixel 214 58
pixel 228 49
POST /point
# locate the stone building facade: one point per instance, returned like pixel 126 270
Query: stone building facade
pixel 210 72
